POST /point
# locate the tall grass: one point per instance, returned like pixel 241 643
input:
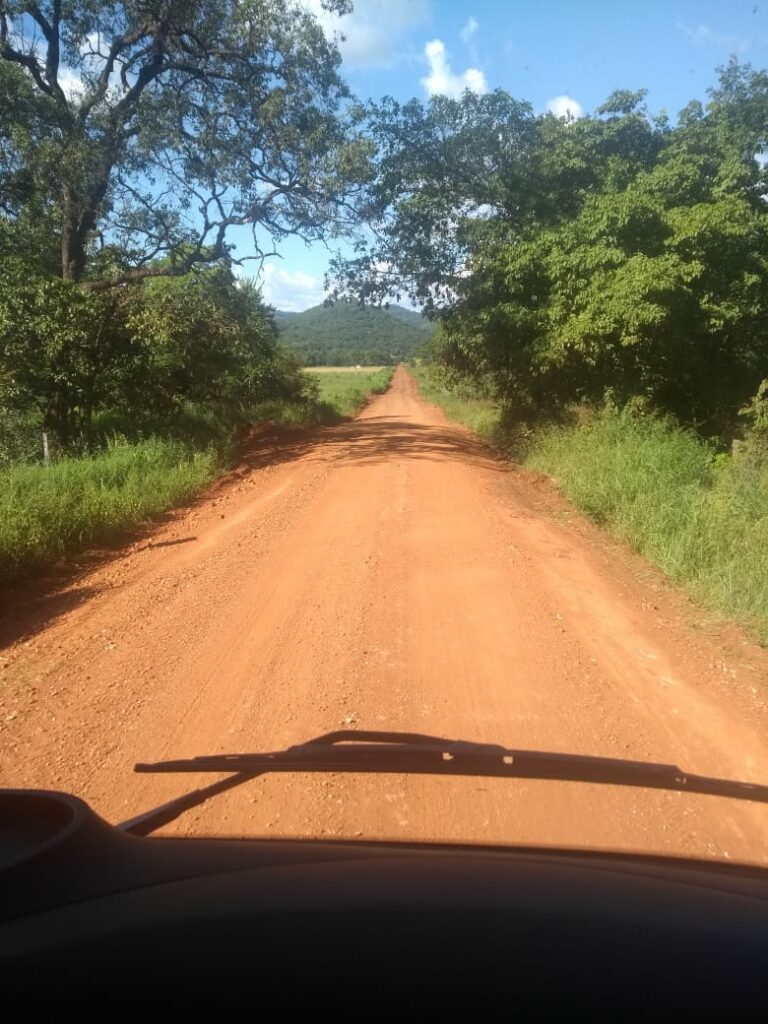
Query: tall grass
pixel 50 511
pixel 346 392
pixel 47 511
pixel 700 514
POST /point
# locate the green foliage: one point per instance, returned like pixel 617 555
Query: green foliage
pixel 68 354
pixel 700 515
pixel 188 119
pixel 753 447
pixel 20 438
pixel 346 393
pixel 56 344
pixel 47 511
pixel 565 257
pixel 348 334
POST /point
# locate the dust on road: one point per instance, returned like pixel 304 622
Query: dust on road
pixel 391 573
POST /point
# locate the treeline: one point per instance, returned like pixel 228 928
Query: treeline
pixel 81 365
pixel 348 334
pixel 619 254
pixel 133 138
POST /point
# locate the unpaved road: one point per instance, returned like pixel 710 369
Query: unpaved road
pixel 389 574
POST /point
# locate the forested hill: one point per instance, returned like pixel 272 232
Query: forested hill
pixel 347 334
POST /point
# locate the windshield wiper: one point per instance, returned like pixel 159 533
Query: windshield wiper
pixel 413 753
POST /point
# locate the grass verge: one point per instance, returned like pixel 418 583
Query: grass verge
pixel 345 392
pixel 482 415
pixel 699 514
pixel 46 511
pixel 50 511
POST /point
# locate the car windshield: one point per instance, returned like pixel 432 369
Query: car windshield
pixel 416 384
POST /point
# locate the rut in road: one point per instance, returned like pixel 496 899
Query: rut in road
pixel 391 573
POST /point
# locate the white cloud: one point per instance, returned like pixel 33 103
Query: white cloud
pixel 291 291
pixel 374 29
pixel 89 48
pixel 72 84
pixel 469 29
pixel 441 80
pixel 703 35
pixel 564 106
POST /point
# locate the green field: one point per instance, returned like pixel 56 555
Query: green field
pixel 344 369
pixel 347 389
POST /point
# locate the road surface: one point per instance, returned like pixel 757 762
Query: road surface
pixel 390 573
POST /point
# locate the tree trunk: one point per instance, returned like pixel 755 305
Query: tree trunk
pixel 73 239
pixel 58 414
pixel 72 253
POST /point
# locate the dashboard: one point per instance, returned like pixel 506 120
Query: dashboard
pixel 368 926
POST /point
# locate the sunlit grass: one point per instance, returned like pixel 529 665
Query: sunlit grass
pixel 50 511
pixel 47 511
pixel 347 392
pixel 702 516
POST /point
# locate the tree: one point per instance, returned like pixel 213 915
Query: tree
pixel 58 346
pixel 442 171
pixel 143 131
pixel 141 351
pixel 609 252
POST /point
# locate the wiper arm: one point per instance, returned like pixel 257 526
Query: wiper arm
pixel 414 753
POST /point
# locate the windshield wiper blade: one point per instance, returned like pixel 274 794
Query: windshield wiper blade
pixel 414 753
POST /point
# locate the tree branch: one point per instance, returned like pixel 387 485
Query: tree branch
pixel 118 46
pixel 26 60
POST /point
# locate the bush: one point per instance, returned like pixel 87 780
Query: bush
pixel 20 438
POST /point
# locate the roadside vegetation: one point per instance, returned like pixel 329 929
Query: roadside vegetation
pixel 132 346
pixel 345 392
pixel 695 507
pixel 48 511
pixel 600 287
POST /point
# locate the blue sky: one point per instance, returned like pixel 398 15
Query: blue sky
pixel 557 55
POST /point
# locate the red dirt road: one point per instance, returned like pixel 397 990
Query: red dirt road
pixel 390 573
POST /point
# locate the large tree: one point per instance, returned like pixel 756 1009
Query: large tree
pixel 139 133
pixel 569 257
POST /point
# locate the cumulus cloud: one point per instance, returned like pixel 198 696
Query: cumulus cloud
pixel 441 80
pixel 374 29
pixel 564 106
pixel 469 29
pixel 703 35
pixel 290 291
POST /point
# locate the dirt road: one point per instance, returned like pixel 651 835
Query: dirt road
pixel 390 573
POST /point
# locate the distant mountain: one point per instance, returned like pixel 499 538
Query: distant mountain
pixel 346 334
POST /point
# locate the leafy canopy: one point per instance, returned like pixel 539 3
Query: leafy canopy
pixel 141 132
pixel 566 257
